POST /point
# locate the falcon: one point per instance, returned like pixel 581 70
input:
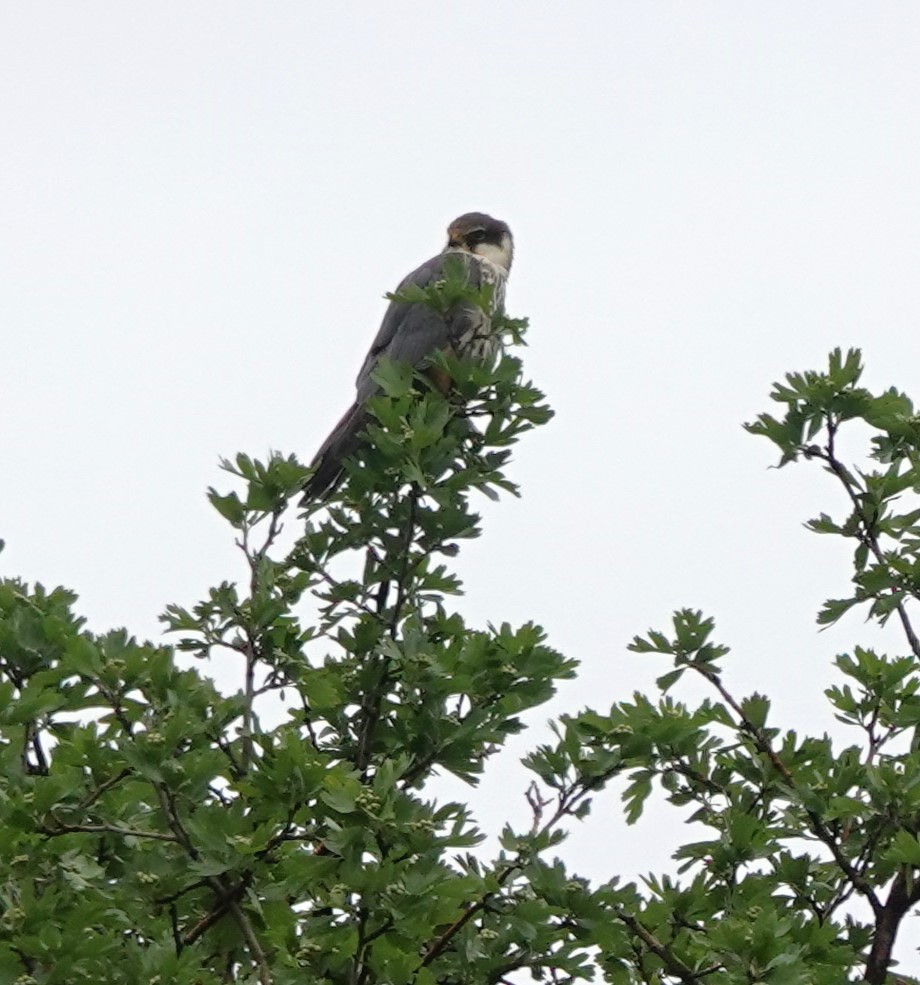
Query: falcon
pixel 413 332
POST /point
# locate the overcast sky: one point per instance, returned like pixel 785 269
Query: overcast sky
pixel 202 205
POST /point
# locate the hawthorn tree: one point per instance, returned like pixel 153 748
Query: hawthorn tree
pixel 153 829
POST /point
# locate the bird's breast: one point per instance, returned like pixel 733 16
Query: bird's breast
pixel 478 340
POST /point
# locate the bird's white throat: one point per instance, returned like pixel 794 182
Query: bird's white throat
pixel 501 255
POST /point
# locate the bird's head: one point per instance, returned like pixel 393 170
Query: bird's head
pixel 479 233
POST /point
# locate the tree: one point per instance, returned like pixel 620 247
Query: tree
pixel 156 830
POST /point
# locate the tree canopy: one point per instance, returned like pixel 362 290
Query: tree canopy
pixel 153 829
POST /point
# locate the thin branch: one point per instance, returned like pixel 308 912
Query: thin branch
pixel 251 648
pixel 673 965
pixel 174 924
pixel 180 836
pixel 219 795
pixel 360 968
pixel 868 536
pixel 205 923
pixel 371 709
pixel 32 740
pixel 68 829
pixel 336 586
pixel 247 748
pixel 176 896
pixel 689 773
pixel 567 802
pixel 114 699
pixel 26 960
pixel 255 948
pixel 440 944
pixel 820 829
pixel 232 894
pixel 404 571
pixel 248 651
pixel 113 781
pixel 373 701
pixel 218 884
pixel 419 766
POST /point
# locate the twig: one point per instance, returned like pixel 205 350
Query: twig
pixel 537 804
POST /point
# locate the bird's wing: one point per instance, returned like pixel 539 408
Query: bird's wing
pixel 409 333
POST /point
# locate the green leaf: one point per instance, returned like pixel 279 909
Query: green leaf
pixel 229 507
pixel 904 849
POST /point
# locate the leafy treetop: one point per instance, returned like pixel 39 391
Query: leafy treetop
pixel 155 829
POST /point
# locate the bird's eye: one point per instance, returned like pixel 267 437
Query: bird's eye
pixel 476 236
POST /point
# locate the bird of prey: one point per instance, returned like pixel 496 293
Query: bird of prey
pixel 412 332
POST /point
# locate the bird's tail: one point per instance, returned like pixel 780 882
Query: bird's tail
pixel 327 463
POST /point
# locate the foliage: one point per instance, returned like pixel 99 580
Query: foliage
pixel 154 829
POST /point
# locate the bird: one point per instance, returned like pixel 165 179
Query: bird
pixel 412 332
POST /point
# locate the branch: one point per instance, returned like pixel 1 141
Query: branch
pixel 820 829
pixel 255 948
pixel 174 926
pixel 178 894
pixel 220 910
pixel 440 945
pixel 180 836
pixel 204 924
pixel 251 649
pixel 360 968
pixel 247 751
pixel 566 803
pixel 32 739
pixel 371 705
pixel 68 829
pixel 218 884
pixel 868 536
pixel 422 764
pixel 887 923
pixel 113 781
pixel 673 965
pixel 336 586
pixel 404 571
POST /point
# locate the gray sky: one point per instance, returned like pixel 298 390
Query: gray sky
pixel 202 206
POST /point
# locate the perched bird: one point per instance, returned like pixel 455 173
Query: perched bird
pixel 412 332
